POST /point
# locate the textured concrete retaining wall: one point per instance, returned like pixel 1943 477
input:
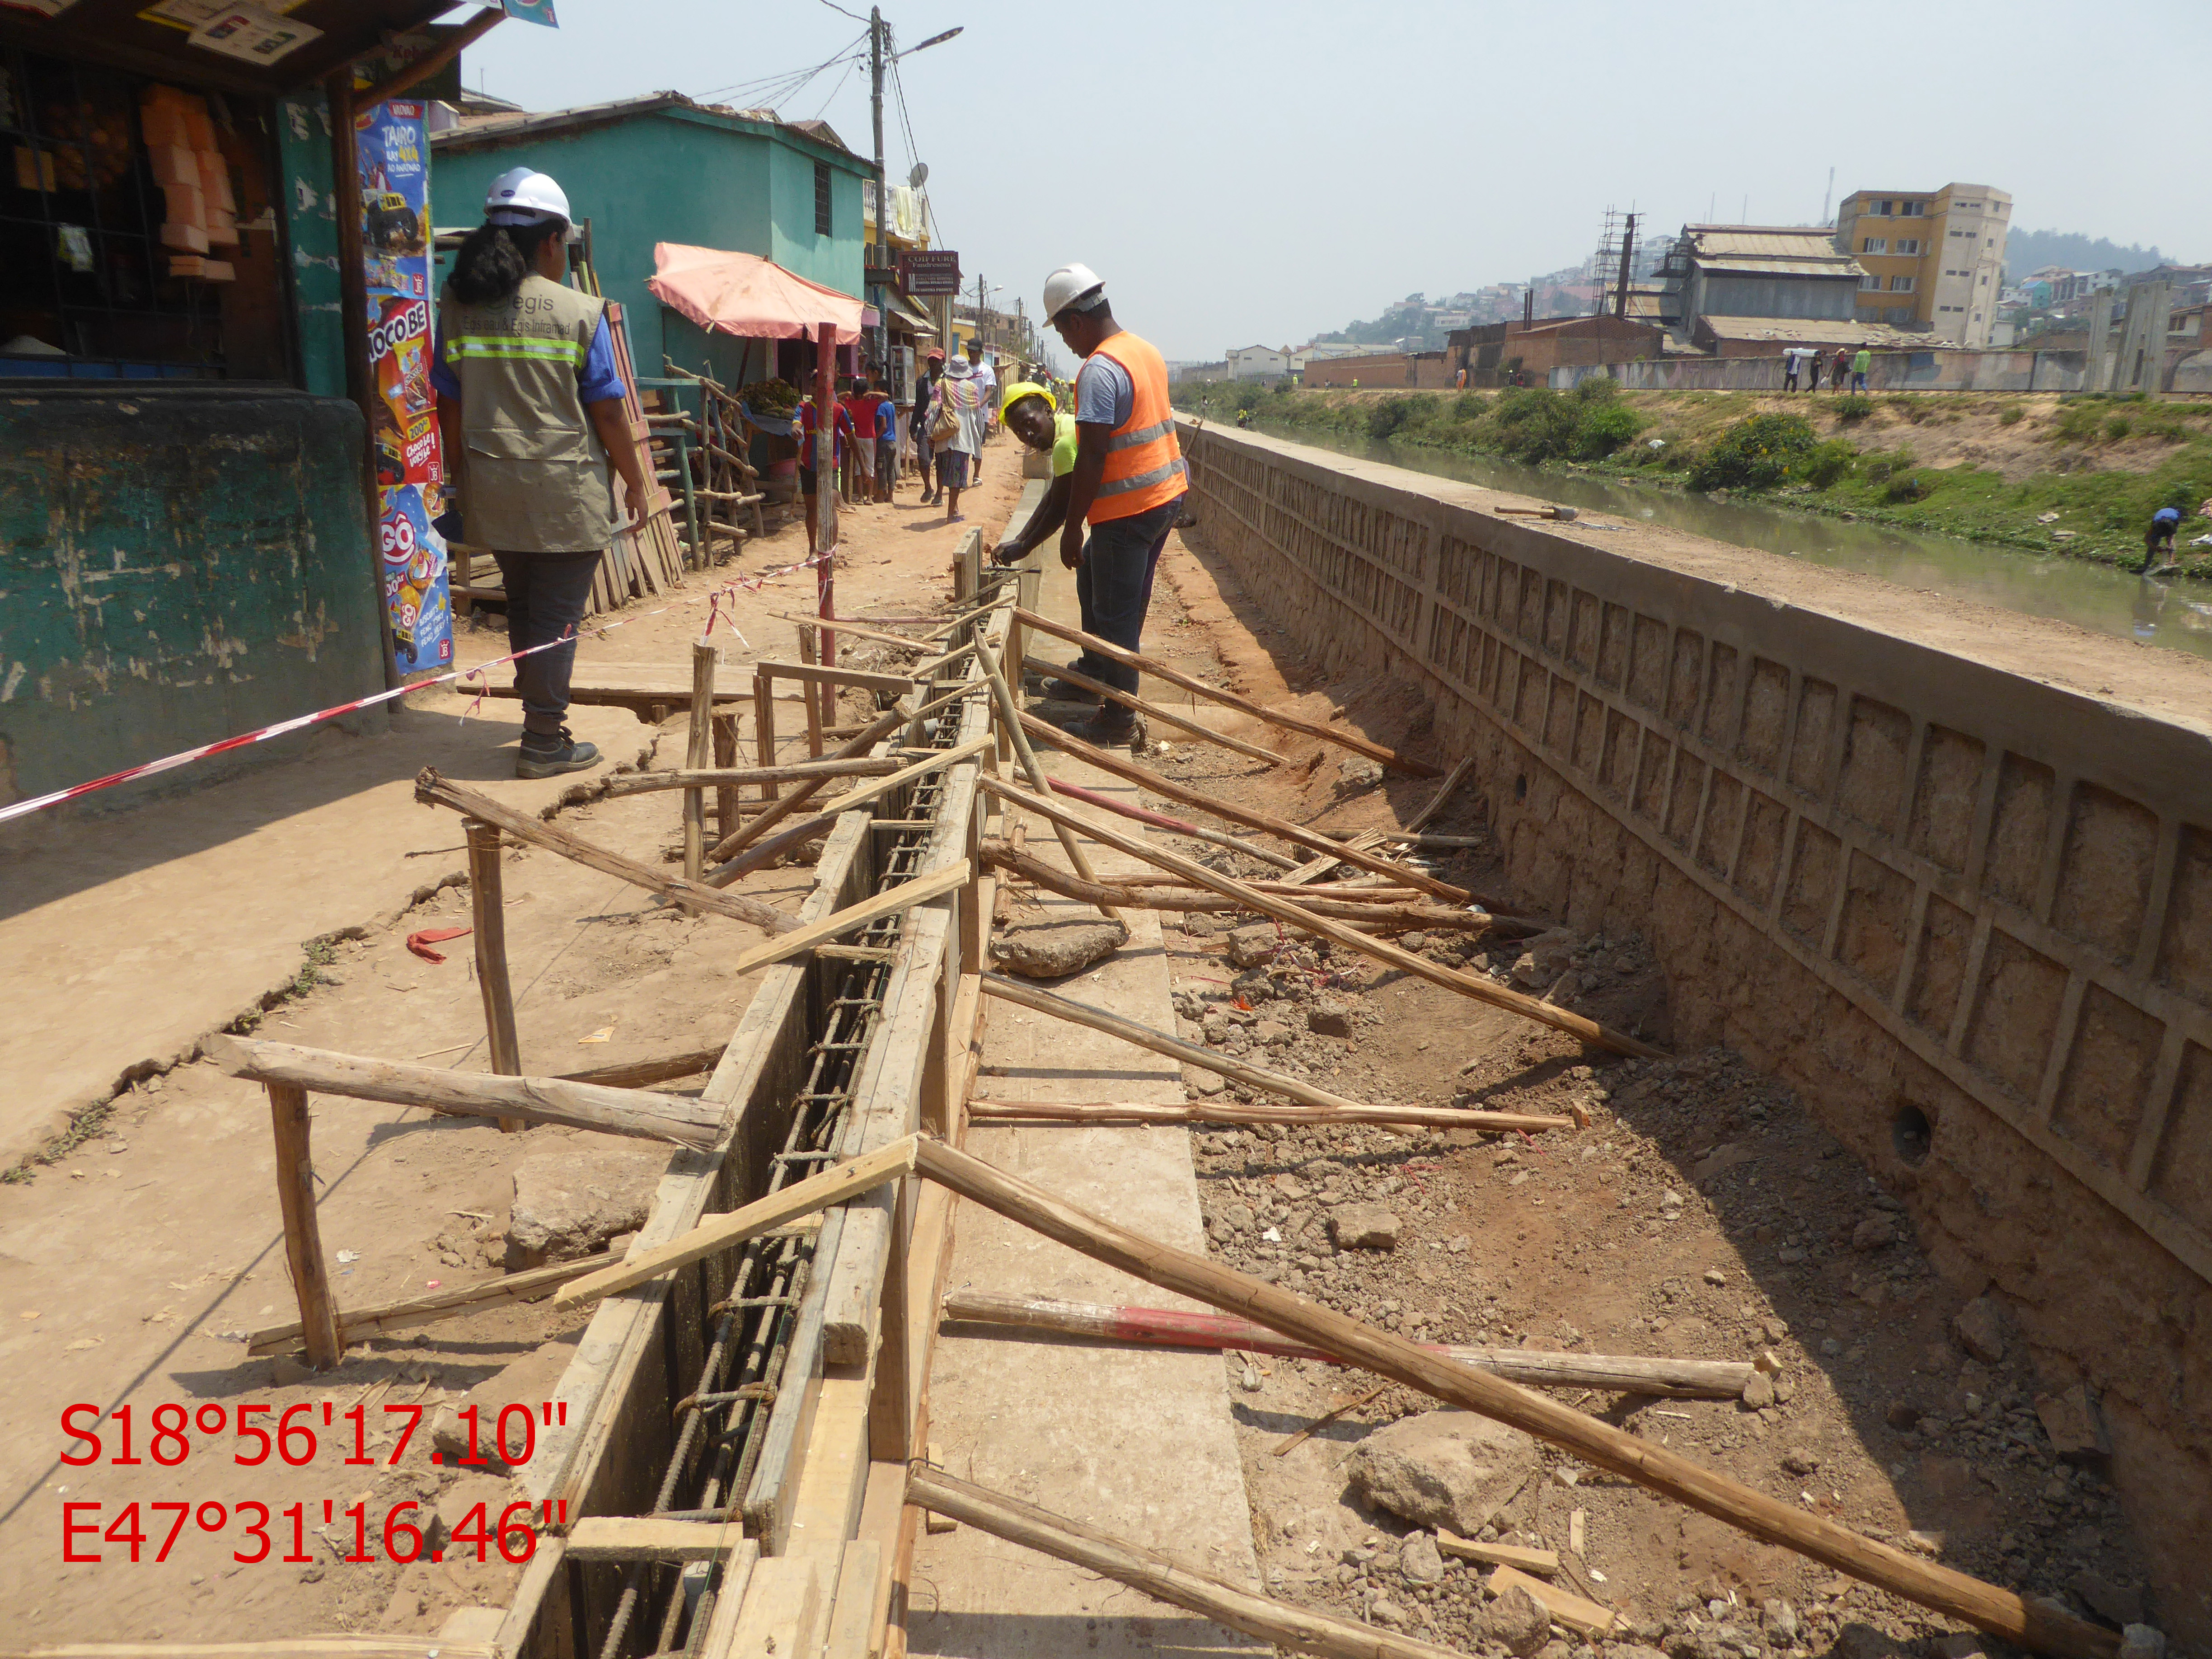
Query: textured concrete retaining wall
pixel 1915 886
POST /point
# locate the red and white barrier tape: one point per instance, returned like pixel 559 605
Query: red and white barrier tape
pixel 753 583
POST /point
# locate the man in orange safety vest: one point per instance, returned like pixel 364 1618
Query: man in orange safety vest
pixel 1126 489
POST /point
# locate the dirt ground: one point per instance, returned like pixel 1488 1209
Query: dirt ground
pixel 1702 1213
pixel 129 1268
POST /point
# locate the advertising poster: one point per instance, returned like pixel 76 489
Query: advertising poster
pixel 393 155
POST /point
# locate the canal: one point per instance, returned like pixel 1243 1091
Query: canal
pixel 2091 596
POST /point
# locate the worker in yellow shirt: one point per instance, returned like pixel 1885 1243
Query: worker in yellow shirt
pixel 1033 414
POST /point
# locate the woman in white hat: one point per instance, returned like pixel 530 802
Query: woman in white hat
pixel 531 409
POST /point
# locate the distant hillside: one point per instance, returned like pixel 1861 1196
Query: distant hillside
pixel 2032 250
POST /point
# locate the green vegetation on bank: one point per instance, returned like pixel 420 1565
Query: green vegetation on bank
pixel 2080 475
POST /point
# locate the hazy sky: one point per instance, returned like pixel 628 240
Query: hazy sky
pixel 1256 172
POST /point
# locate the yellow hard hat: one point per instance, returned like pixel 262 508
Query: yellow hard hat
pixel 1021 389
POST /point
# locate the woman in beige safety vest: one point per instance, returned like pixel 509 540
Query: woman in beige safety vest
pixel 529 405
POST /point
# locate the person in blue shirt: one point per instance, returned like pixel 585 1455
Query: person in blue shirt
pixel 886 425
pixel 842 433
pixel 2159 539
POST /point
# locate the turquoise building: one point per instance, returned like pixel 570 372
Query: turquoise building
pixel 665 169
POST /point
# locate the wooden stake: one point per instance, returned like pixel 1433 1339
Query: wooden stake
pixel 763 731
pixel 2040 1624
pixel 1291 1442
pixel 1543 1562
pixel 814 691
pixel 820 822
pixel 1206 1060
pixel 644 1074
pixel 431 787
pixel 1281 829
pixel 356 1323
pixel 722 1232
pixel 1664 1379
pixel 632 1112
pixel 487 906
pixel 1010 719
pixel 1160 1576
pixel 303 1236
pixel 698 751
pixel 1427 815
pixel 726 758
pixel 1152 711
pixel 1282 909
pixel 1159 670
pixel 1174 826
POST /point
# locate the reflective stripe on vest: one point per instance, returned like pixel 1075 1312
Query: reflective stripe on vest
pixel 495 345
pixel 1144 462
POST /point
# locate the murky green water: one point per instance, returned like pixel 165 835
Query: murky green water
pixel 2092 596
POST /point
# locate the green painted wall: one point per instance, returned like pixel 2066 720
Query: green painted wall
pixel 174 568
pixel 673 175
pixel 303 136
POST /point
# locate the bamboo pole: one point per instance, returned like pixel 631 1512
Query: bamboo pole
pixel 1281 829
pixel 1482 990
pixel 1159 670
pixel 726 758
pixel 1011 718
pixel 303 1236
pixel 1174 826
pixel 699 751
pixel 633 1112
pixel 644 1074
pixel 412 1312
pixel 488 903
pixel 762 853
pixel 763 731
pixel 1160 1576
pixel 889 902
pixel 813 689
pixel 1152 711
pixel 1445 790
pixel 737 777
pixel 1206 1060
pixel 1389 917
pixel 431 787
pixel 1662 1377
pixel 2038 1625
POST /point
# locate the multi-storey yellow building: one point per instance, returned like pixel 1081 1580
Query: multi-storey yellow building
pixel 1932 260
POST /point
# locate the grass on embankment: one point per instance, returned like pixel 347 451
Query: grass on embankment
pixel 1984 466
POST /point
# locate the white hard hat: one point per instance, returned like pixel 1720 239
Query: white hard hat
pixel 524 196
pixel 1070 287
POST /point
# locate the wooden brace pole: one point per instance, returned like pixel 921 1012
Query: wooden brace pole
pixel 1152 711
pixel 698 755
pixel 488 902
pixel 2038 1625
pixel 303 1236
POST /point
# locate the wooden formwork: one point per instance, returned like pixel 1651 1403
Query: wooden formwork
pixel 822 1510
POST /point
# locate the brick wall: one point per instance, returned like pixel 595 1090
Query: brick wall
pixel 1917 887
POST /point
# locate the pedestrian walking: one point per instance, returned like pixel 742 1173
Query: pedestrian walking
pixel 841 442
pixel 1126 485
pixel 1812 360
pixel 1841 367
pixel 529 408
pixel 987 391
pixel 925 395
pixel 1793 361
pixel 1859 365
pixel 956 431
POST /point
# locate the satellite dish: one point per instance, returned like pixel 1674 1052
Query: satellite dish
pixel 918 176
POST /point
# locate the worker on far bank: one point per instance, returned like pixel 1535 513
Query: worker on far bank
pixel 1127 484
pixel 530 410
pixel 1860 364
pixel 2157 539
pixel 1841 367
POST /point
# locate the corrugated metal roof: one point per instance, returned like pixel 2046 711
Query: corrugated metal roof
pixel 1763 241
pixel 1737 265
pixel 1819 331
pixel 476 129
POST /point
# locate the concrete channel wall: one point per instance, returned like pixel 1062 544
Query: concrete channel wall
pixel 1890 371
pixel 1966 913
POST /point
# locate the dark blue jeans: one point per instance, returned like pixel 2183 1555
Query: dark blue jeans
pixel 546 594
pixel 1114 585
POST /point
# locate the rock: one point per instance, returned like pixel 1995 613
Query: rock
pixel 1547 957
pixel 1329 1019
pixel 1980 1330
pixel 1857 1641
pixel 571 1198
pixel 1758 1391
pixel 2075 1425
pixel 1254 944
pixel 1198 924
pixel 1419 1560
pixel 1781 1621
pixel 1363 1227
pixel 1715 1276
pixel 1359 772
pixel 1632 1651
pixel 1413 941
pixel 2142 1642
pixel 1054 950
pixel 1875 1232
pixel 2114 1603
pixel 1518 1621
pixel 1451 1469
pixel 1230 1220
pixel 1800 1459
pixel 1271 1033
pixel 1388 1613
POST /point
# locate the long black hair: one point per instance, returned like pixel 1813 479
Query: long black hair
pixel 493 259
